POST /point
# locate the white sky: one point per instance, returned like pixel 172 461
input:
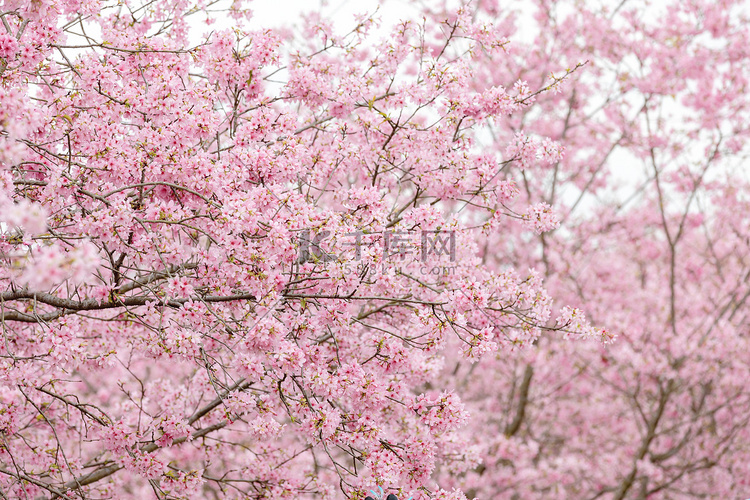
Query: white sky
pixel 274 13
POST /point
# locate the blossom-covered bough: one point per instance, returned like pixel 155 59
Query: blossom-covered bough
pixel 232 262
pixel 654 242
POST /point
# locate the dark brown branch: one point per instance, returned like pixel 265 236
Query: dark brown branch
pixel 104 472
pixel 69 306
pixel 523 399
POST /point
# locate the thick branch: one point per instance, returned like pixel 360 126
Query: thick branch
pixel 523 399
pixel 69 306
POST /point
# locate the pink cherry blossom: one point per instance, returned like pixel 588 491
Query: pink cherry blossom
pixel 475 250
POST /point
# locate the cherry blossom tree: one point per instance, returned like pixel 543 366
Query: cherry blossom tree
pixel 653 241
pixel 235 261
pixel 320 261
